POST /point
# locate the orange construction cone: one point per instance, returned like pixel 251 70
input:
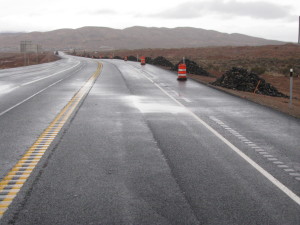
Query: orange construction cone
pixel 182 72
pixel 143 60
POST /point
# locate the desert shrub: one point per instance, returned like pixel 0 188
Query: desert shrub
pixel 285 70
pixel 258 70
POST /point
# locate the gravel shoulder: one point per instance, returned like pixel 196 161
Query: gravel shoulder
pixel 277 103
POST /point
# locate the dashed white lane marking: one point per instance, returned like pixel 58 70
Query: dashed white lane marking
pixel 30 97
pixel 295 174
pixel 289 170
pixel 31 82
pixel 252 145
pixel 263 153
pixel 258 149
pixel 272 159
pixel 266 174
pixel 186 99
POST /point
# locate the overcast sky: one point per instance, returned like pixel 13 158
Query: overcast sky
pixel 270 19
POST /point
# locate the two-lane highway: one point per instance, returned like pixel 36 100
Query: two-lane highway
pixel 144 148
pixel 30 99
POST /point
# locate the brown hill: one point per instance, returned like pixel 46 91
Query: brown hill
pixel 101 38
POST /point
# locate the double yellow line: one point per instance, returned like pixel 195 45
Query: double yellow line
pixel 12 183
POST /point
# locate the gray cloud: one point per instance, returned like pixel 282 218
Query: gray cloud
pixel 195 9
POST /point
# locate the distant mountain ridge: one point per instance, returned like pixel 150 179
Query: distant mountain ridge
pixel 103 38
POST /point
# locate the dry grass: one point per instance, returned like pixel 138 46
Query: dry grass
pixel 274 59
pixel 12 60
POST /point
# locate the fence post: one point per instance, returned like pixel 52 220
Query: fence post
pixel 291 87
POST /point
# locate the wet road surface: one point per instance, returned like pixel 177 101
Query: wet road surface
pixel 143 148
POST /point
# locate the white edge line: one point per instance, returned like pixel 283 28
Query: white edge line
pixel 16 105
pixel 30 97
pixel 31 82
pixel 272 179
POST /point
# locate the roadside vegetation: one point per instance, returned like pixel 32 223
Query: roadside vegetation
pixel 12 60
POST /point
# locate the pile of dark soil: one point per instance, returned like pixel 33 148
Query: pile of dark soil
pixel 117 57
pixel 193 68
pixel 162 61
pixel 242 80
pixel 148 60
pixel 132 58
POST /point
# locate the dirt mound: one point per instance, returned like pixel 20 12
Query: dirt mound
pixel 162 61
pixel 132 58
pixel 242 80
pixel 149 60
pixel 117 57
pixel 193 68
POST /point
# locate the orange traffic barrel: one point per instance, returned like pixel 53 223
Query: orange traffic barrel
pixel 182 72
pixel 143 60
pixel 125 58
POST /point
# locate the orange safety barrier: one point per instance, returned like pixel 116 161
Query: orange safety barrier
pixel 182 72
pixel 143 60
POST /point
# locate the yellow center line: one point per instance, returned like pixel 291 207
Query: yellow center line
pixel 12 183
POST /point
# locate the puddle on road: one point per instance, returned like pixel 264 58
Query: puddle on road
pixel 6 87
pixel 146 105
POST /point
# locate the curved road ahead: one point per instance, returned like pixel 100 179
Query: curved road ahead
pixel 120 143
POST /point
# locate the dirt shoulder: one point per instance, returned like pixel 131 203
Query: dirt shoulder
pixel 280 104
pixel 12 60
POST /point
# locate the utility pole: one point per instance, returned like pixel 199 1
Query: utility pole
pixel 26 47
pixel 299 32
pixel 37 54
pixel 291 87
pixel 23 49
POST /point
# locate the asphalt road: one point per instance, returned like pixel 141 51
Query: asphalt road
pixel 143 148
